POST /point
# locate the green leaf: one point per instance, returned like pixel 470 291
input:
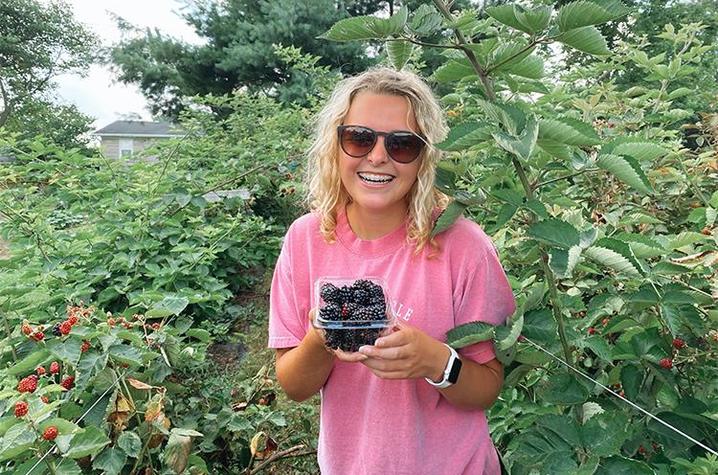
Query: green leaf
pixel 469 333
pixel 29 363
pixel 110 461
pixel 605 434
pixel 454 70
pixel 126 354
pixel 555 149
pixel 555 233
pixel 399 52
pixel 584 13
pixel 465 135
pixel 615 255
pixel 367 27
pixel 506 14
pixel 641 245
pixel 562 261
pixel 425 20
pixel 200 333
pixel 89 442
pixel 563 388
pixel 631 376
pixel 521 146
pixel 170 305
pixel 91 363
pixel 447 217
pixel 445 179
pixel 130 442
pixel 530 67
pixel 640 150
pixel 508 54
pixel 618 465
pixel 568 131
pixel 587 39
pixel 534 20
pixel 683 239
pixel 67 350
pixel 68 467
pixel 627 170
pixel 505 336
pixel 17 440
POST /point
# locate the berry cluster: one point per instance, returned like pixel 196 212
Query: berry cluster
pixel 361 302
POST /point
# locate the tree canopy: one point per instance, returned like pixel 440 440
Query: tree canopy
pixel 38 41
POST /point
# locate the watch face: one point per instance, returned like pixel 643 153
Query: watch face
pixel 454 372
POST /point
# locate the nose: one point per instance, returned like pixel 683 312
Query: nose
pixel 378 154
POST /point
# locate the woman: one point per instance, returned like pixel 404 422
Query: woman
pixel 408 404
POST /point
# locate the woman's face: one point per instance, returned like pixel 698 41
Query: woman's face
pixel 375 182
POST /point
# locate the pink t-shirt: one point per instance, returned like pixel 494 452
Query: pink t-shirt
pixel 369 425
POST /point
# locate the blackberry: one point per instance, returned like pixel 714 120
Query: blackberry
pixel 330 293
pixel 330 312
pixel 56 330
pixel 346 294
pixel 371 312
pixel 361 297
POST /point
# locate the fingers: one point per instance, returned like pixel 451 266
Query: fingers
pixel 390 353
pixel 349 357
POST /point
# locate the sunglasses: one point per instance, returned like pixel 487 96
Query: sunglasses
pixel 402 146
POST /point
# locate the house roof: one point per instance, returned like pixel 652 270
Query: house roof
pixel 137 128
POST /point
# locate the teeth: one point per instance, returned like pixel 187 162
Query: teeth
pixel 375 178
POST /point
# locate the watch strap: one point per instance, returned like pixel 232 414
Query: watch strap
pixel 451 372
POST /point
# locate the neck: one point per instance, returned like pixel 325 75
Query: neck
pixel 370 224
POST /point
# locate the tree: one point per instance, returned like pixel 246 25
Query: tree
pixel 38 41
pixel 62 124
pixel 237 50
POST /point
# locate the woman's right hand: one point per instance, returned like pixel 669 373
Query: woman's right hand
pixel 317 334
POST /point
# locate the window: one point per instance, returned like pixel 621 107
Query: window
pixel 126 148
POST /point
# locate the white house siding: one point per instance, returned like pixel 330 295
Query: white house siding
pixel 111 145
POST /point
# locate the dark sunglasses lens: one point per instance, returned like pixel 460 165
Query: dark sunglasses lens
pixel 403 147
pixel 357 141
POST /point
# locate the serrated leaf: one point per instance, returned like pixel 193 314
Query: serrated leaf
pixel 617 465
pixel 469 333
pixel 126 354
pixel 454 70
pixel 584 13
pixel 29 363
pixel 562 261
pixel 445 179
pixel 176 453
pixel 555 149
pixel 170 305
pixel 16 440
pixel 89 442
pixel 640 150
pixel 367 27
pixel 615 255
pixel 68 350
pixel 466 135
pixel 507 54
pixel 399 52
pixel 447 217
pixel 521 146
pixel 642 246
pixel 590 409
pixel 68 467
pixel 555 233
pixel 530 67
pixel 425 20
pixel 506 14
pixel 505 336
pixel 683 239
pixel 563 388
pixel 587 39
pixel 110 461
pixel 627 170
pixel 568 131
pixel 534 20
pixel 130 443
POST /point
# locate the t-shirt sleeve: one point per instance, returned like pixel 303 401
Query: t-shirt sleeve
pixel 287 322
pixel 485 295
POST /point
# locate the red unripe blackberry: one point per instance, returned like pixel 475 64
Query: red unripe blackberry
pixel 65 327
pixel 54 367
pixel 85 346
pixel 40 370
pixel 26 329
pixel 28 384
pixel 38 336
pixel 678 343
pixel 44 399
pixel 50 433
pixel 20 408
pixel 68 382
pixel 666 363
pixel 591 331
pixel 72 319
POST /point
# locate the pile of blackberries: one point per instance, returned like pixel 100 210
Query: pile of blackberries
pixel 361 309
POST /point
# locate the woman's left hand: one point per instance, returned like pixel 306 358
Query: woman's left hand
pixel 405 354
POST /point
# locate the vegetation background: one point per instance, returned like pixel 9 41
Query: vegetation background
pixel 584 139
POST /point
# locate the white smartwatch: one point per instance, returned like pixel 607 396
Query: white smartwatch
pixel 451 372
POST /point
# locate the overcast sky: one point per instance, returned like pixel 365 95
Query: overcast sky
pixel 98 94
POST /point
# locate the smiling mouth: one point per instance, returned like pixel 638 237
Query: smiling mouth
pixel 375 178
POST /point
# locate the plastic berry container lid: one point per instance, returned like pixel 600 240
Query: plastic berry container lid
pixel 352 304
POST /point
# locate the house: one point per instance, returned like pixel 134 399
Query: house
pixel 125 138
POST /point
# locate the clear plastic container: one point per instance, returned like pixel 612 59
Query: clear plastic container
pixel 352 312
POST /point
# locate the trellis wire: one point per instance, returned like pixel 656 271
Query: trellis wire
pixel 632 404
pixel 54 448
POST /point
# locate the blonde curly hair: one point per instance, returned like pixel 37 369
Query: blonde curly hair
pixel 326 194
